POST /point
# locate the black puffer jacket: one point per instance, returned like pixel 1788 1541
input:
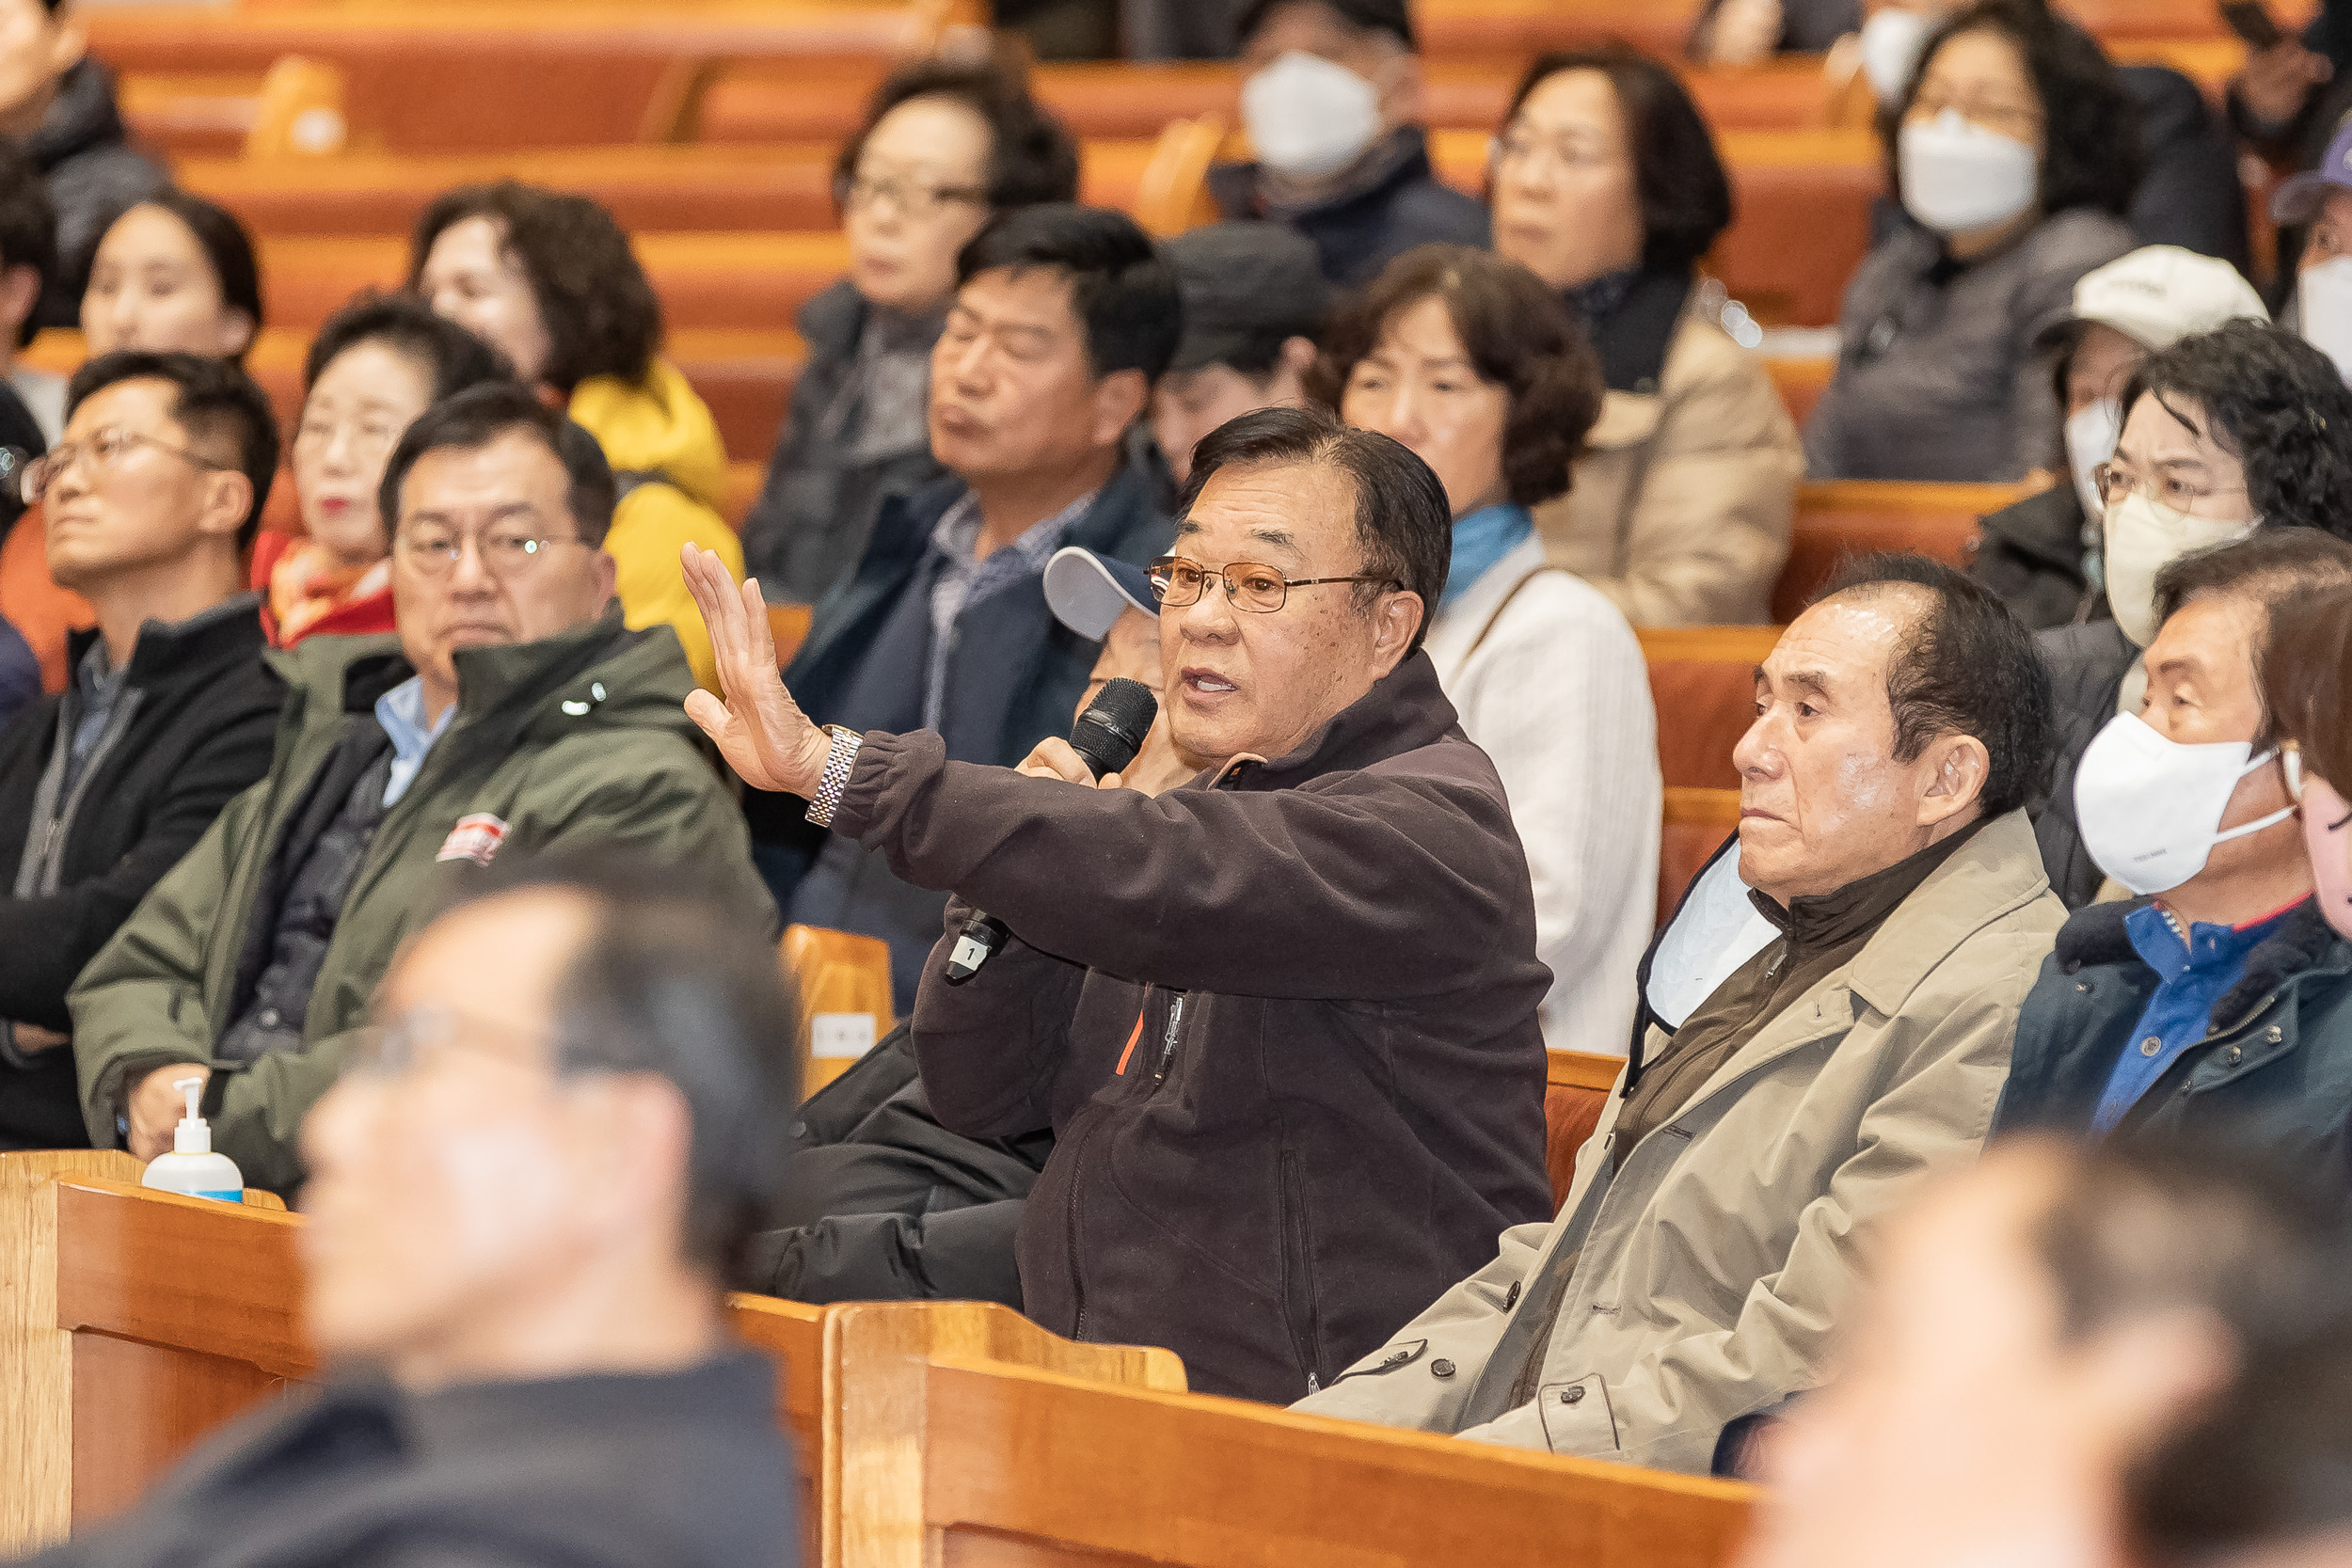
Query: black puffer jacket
pixel 2087 665
pixel 2030 553
pixel 1283 1026
pixel 192 728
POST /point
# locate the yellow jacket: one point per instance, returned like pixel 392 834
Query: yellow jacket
pixel 661 432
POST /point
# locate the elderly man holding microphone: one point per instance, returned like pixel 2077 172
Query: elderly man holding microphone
pixel 1283 1017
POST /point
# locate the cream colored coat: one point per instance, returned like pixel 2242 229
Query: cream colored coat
pixel 1683 498
pixel 1711 1268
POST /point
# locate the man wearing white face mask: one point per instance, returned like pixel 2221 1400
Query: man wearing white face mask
pixel 2322 198
pixel 2045 555
pixel 1332 98
pixel 2223 1003
pixel 2242 428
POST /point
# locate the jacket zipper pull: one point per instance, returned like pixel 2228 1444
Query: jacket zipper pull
pixel 1168 1040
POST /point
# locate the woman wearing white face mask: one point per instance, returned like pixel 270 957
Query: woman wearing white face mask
pixel 2224 433
pixel 2307 686
pixel 2045 555
pixel 2014 154
pixel 2322 198
pixel 1331 97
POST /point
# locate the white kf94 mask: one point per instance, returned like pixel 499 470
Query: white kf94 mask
pixel 2150 807
pixel 1309 116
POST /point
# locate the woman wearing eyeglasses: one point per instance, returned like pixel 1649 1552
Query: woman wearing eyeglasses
pixel 375 365
pixel 1606 186
pixel 2243 428
pixel 1470 362
pixel 943 149
pixel 2307 687
pixel 2013 151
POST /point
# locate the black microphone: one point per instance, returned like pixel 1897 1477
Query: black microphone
pixel 1106 737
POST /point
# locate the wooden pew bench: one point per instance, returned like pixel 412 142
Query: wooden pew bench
pixel 982 1465
pixel 462 77
pixel 136 1324
pixel 1842 517
pixel 1702 681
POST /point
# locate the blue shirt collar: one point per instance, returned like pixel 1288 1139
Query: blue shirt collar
pixel 1481 538
pixel 2210 946
pixel 403 718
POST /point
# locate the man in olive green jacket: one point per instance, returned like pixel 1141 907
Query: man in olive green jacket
pixel 1783 1096
pixel 512 714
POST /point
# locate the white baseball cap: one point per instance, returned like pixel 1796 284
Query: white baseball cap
pixel 1088 593
pixel 2159 295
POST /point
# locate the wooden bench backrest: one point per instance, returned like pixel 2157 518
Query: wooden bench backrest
pixel 839 977
pixel 1697 822
pixel 1576 1090
pixel 1843 518
pixel 137 1322
pixel 1702 681
pixel 981 1465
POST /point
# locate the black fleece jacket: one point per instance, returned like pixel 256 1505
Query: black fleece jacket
pixel 193 727
pixel 1282 1024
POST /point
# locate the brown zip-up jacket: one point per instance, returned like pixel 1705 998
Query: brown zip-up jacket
pixel 1283 1023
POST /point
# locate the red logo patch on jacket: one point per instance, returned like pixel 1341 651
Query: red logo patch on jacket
pixel 475 838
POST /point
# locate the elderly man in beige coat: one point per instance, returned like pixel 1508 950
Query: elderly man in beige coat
pixel 1708 1240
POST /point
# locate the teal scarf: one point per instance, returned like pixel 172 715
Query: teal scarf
pixel 1480 540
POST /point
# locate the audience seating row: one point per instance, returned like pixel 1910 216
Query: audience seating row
pixel 137 1321
pixel 765 100
pixel 1805 199
pixel 455 77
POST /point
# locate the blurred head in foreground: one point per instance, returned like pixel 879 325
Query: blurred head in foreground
pixel 2084 1356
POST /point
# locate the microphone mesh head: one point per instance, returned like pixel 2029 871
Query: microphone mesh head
pixel 1110 731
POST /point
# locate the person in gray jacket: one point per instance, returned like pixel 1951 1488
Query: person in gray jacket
pixel 2014 152
pixel 942 148
pixel 1708 1244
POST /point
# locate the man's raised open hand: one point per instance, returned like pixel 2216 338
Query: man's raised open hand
pixel 759 729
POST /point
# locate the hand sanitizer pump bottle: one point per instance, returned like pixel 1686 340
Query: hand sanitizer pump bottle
pixel 192 1167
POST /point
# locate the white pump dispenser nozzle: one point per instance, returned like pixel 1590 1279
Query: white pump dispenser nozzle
pixel 192 1167
pixel 193 1135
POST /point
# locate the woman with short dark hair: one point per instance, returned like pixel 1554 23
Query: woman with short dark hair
pixel 377 363
pixel 1473 364
pixel 173 274
pixel 549 280
pixel 2013 152
pixel 1606 186
pixel 943 147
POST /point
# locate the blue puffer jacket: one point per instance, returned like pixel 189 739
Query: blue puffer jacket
pixel 2275 1067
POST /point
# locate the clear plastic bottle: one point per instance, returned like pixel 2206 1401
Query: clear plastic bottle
pixel 192 1167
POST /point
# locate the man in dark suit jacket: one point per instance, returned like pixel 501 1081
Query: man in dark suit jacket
pixel 1064 317
pixel 167 712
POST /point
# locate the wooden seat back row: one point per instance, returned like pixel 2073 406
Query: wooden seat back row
pixel 741 236
pixel 135 1322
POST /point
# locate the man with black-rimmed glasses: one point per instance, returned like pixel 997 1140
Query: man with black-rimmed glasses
pixel 512 711
pixel 166 711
